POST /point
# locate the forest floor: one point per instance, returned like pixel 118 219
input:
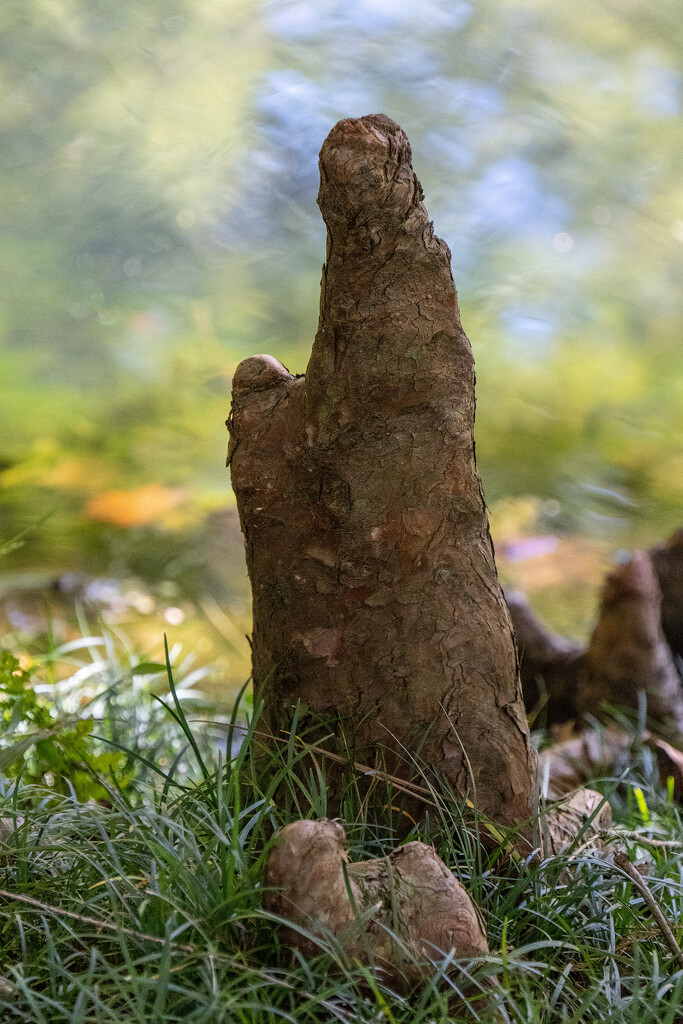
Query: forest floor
pixel 137 813
pixel 132 849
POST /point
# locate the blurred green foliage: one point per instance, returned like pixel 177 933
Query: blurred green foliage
pixel 101 729
pixel 44 747
pixel 157 206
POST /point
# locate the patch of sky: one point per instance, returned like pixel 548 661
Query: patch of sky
pixel 400 68
pixel 659 86
pixel 508 197
pixel 292 20
pixel 376 15
pixel 306 19
pixel 527 332
pixel 452 155
pixel 298 112
pixel 279 177
pixel 467 100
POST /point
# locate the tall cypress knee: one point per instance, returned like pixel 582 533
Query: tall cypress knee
pixel 375 591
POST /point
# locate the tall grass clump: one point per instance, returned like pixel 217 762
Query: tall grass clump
pixel 136 894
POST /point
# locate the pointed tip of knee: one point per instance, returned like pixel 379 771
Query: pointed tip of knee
pixel 259 372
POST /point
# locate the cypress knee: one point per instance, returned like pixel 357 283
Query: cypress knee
pixel 628 653
pixel 375 593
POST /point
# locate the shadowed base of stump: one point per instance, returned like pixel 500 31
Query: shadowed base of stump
pixel 604 753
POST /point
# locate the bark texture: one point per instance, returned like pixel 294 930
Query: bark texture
pixel 375 591
pixel 398 914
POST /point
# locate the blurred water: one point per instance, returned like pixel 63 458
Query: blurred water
pixel 159 175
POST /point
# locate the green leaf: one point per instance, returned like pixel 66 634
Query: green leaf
pixel 147 668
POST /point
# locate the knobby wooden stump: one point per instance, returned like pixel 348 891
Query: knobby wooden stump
pixel 399 913
pixel 375 591
pixel 628 653
pixel 633 649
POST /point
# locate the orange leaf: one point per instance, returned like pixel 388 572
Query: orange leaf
pixel 138 507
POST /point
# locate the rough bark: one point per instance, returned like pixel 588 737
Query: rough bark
pixel 375 591
pixel 628 653
pixel 550 665
pixel 667 559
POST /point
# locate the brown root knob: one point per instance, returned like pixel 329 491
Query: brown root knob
pixel 628 653
pixel 395 913
pixel 258 372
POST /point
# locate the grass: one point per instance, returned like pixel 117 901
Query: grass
pixel 142 900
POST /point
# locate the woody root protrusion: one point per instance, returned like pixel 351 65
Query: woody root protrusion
pixel 400 915
pixel 632 656
pixel 376 602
